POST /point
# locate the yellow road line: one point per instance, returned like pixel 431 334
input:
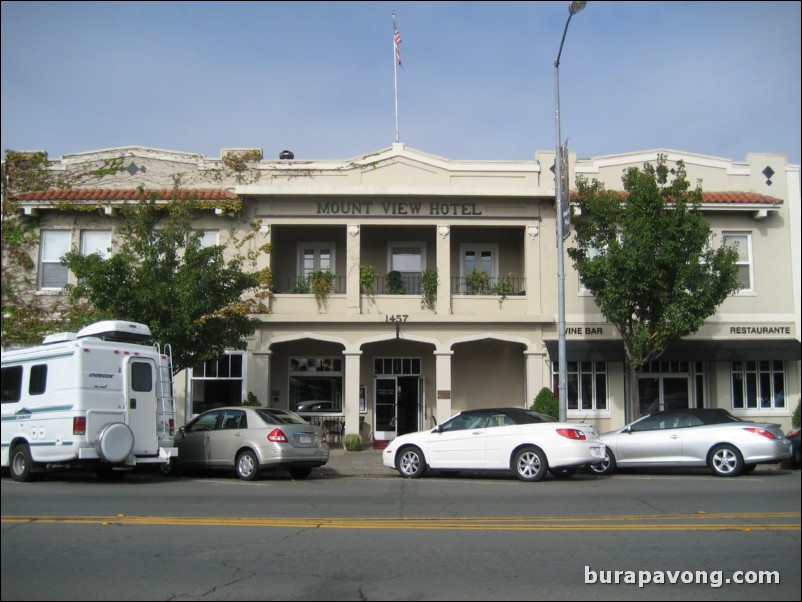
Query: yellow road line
pixel 650 522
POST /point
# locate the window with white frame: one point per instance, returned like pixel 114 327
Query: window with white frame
pixel 742 241
pixel 218 382
pixel 316 385
pixel 54 244
pixel 758 385
pixel 96 242
pixel 475 261
pixel 409 260
pixel 208 238
pixel 315 257
pixel 587 385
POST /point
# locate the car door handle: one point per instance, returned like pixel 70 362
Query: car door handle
pixel 675 436
pixel 478 433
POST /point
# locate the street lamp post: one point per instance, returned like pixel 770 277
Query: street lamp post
pixel 573 8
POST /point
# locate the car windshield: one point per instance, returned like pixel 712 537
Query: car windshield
pixel 276 416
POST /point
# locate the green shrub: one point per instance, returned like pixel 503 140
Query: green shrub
pixel 546 403
pixel 796 419
pixel 352 442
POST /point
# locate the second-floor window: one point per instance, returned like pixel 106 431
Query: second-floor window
pixel 96 241
pixel 53 246
pixel 742 241
pixel 315 257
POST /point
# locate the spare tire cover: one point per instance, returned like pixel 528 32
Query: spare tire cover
pixel 115 442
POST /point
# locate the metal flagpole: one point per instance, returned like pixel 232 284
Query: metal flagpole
pixel 396 62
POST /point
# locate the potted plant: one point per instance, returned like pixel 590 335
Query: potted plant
pixel 395 284
pixel 477 282
pixel 367 279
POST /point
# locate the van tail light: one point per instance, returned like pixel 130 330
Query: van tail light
pixel 572 434
pixel 172 426
pixel 79 425
pixel 277 436
pixel 761 432
pixel 323 437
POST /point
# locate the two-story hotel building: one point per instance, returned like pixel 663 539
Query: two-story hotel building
pixel 443 294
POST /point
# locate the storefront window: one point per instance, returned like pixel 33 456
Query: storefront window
pixel 758 385
pixel 316 385
pixel 218 382
pixel 587 385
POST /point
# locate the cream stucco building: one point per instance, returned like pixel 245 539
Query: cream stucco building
pixel 462 310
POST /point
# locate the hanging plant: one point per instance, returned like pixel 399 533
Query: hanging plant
pixel 367 279
pixel 428 287
pixel 322 284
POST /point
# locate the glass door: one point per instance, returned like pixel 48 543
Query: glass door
pixel 656 393
pixel 386 403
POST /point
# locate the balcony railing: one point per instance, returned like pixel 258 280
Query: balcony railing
pixel 484 285
pixel 300 285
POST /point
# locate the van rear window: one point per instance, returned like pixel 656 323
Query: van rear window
pixel 37 384
pixel 12 384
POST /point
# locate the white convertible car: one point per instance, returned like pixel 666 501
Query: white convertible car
pixel 525 442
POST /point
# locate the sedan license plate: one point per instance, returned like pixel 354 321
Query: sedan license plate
pixel 597 452
pixel 305 439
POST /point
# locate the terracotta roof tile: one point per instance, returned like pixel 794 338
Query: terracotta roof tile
pixel 728 198
pixel 126 194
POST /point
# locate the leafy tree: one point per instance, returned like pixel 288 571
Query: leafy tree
pixel 647 257
pixel 546 403
pixel 161 275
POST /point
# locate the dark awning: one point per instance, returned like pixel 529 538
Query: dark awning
pixel 695 350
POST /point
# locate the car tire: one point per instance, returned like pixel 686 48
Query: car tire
pixel 21 464
pixel 300 472
pixel 725 461
pixel 530 464
pixel 606 466
pixel 247 465
pixel 410 463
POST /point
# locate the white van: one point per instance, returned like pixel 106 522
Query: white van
pixel 102 397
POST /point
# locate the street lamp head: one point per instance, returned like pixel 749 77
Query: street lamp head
pixel 576 6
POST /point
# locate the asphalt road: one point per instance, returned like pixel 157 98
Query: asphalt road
pixel 469 537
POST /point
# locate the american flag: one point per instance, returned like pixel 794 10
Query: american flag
pixel 397 42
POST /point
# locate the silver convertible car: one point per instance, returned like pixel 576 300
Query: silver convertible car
pixel 250 440
pixel 506 439
pixel 694 437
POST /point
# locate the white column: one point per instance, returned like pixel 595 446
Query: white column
pixel 532 269
pixel 353 260
pixel 534 374
pixel 259 377
pixel 351 399
pixel 443 378
pixel 444 271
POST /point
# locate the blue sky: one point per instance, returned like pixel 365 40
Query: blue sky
pixel 477 82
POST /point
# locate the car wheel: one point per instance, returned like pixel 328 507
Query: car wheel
pixel 21 465
pixel 247 465
pixel 410 463
pixel 530 464
pixel 300 472
pixel 606 466
pixel 726 461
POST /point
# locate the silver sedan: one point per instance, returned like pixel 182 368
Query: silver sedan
pixel 250 440
pixel 694 437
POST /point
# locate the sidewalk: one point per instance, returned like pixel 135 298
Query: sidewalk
pixel 367 462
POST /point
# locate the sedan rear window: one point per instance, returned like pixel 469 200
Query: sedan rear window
pixel 275 416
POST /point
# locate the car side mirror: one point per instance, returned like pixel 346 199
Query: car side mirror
pixel 628 430
pixel 438 429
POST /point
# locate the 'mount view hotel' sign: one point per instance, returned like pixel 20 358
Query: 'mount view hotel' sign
pixel 338 208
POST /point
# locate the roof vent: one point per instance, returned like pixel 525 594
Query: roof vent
pixel 287 155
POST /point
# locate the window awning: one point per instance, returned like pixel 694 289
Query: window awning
pixel 695 350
